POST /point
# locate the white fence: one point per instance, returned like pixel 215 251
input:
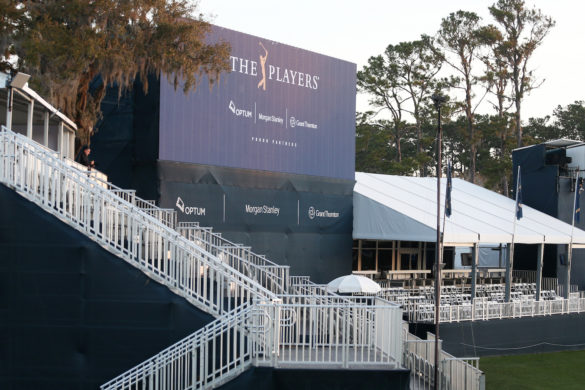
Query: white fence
pixel 291 333
pixel 206 359
pixel 272 276
pixel 83 202
pixel 487 310
pixel 339 332
pixel 455 373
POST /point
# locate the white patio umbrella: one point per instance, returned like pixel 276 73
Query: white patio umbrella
pixel 353 284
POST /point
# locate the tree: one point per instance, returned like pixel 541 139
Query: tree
pixel 460 36
pixel 418 63
pixel 10 18
pixel 401 82
pixel 570 121
pixel 381 79
pixel 523 32
pixel 67 44
pixel 496 80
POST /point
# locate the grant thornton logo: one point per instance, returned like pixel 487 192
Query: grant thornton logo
pixel 269 72
pixel 314 213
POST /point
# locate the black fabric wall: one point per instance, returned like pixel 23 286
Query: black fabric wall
pixel 125 145
pixel 72 315
pixel 318 379
pixel 301 221
pixel 545 190
pixel 514 336
pixel 539 181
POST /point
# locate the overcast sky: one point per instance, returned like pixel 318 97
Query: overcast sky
pixel 356 30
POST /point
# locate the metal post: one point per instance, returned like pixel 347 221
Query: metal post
pixel 509 268
pixel 438 101
pixel 46 130
pixel 567 288
pixel 60 140
pixel 9 109
pixel 475 257
pixel 539 270
pixel 29 119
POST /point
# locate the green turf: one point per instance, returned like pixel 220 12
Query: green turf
pixel 559 370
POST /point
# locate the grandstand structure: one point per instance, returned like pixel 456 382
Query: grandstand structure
pixel 262 316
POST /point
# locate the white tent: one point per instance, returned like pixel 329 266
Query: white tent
pixel 404 208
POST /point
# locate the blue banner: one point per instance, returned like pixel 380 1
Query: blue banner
pixel 280 109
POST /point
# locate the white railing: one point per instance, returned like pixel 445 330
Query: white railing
pixel 487 310
pixel 302 285
pixel 80 200
pixel 339 332
pixel 272 276
pixel 209 357
pixel 291 333
pixel 455 373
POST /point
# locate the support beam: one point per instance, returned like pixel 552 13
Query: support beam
pixel 567 288
pixel 46 130
pixel 60 139
pixel 29 119
pixel 9 109
pixel 474 264
pixel 509 268
pixel 71 145
pixel 539 271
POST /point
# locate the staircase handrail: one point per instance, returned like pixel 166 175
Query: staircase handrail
pixel 271 275
pixel 174 261
pixel 197 371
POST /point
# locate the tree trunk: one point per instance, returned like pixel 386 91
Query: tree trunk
pixel 518 124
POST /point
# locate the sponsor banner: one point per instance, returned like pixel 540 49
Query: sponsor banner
pixel 332 212
pixel 279 109
pixel 258 209
pixel 194 203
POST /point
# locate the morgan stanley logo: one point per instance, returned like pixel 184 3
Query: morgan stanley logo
pixel 321 214
pixel 188 210
pixel 239 112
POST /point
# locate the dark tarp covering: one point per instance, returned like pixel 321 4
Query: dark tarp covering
pixel 297 220
pixel 72 315
pixel 511 336
pixel 263 378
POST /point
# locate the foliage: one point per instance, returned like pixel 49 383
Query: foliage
pixel 400 81
pixel 68 43
pixel 460 35
pixel 485 63
pixel 523 32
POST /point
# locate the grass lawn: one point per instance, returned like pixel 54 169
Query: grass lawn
pixel 559 370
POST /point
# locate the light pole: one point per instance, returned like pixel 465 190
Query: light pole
pixel 438 101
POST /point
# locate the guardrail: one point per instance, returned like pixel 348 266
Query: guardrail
pixel 83 202
pixel 297 332
pixel 209 357
pixel 454 373
pixel 339 331
pixel 274 277
pixel 487 310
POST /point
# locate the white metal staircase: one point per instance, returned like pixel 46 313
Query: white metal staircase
pixel 110 217
pixel 264 316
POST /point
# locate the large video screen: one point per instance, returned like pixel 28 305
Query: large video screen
pixel 280 109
